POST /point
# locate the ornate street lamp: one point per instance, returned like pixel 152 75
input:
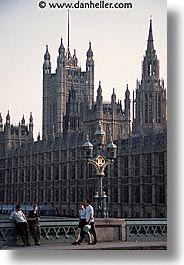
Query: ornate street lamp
pixel 100 161
pixel 88 148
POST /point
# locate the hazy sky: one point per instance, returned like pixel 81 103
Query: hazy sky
pixel 118 36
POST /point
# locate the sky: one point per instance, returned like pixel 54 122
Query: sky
pixel 118 37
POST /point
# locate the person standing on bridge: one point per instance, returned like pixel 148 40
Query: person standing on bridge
pixel 34 226
pixel 21 224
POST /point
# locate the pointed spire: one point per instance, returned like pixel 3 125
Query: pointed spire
pixel 30 122
pixel 47 54
pixel 150 65
pixel 68 29
pixel 47 63
pixel 89 52
pixel 133 107
pixel 8 118
pixel 31 118
pixel 61 49
pixel 68 54
pixel 127 92
pixel 150 37
pixel 113 97
pixel 38 137
pixel 23 120
pixel 150 46
pixel 99 103
pixel 99 90
pixel 75 60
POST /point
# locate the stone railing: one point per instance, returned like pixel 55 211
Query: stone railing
pixel 55 230
pixel 52 230
pixel 146 229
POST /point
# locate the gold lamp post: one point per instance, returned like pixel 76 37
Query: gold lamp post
pixel 100 161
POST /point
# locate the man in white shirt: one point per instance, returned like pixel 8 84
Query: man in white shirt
pixel 21 224
pixel 90 219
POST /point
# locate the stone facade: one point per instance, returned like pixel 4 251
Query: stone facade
pixel 52 170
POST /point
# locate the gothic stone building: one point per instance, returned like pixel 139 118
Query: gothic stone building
pixel 52 170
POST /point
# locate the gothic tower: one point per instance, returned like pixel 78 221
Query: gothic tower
pixel 127 103
pixel 149 105
pixel 46 83
pixel 57 87
pixel 90 77
pixel 61 88
pixel 99 103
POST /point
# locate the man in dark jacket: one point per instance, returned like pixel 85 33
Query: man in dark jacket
pixel 34 226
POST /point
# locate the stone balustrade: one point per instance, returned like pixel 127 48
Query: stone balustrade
pixel 146 229
pixel 55 230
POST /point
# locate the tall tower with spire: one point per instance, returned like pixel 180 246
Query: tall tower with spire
pixel 127 103
pixel 99 103
pixel 46 78
pixel 90 77
pixel 150 101
pixel 57 87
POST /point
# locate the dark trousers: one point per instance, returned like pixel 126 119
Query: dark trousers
pixel 35 230
pixel 22 229
pixel 92 231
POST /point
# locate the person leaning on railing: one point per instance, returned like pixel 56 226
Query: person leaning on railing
pixel 21 224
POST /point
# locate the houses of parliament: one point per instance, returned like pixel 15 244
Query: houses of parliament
pixel 52 171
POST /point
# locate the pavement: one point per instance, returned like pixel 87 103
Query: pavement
pixel 115 245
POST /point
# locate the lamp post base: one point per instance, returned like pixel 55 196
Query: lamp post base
pixel 101 205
